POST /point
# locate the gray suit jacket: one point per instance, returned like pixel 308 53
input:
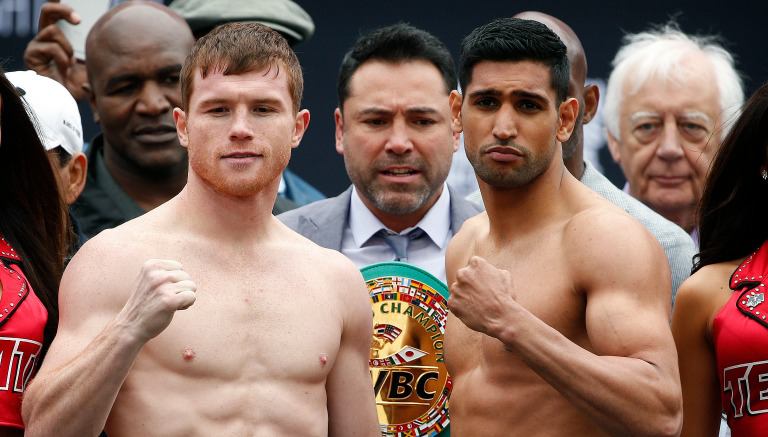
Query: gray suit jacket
pixel 677 244
pixel 324 221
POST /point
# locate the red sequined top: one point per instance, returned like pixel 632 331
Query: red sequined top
pixel 22 321
pixel 740 334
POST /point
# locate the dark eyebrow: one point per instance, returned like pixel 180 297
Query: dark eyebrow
pixel 486 92
pixel 374 111
pixel 490 92
pixel 121 78
pixel 132 77
pixel 530 95
pixel 171 69
pixel 421 110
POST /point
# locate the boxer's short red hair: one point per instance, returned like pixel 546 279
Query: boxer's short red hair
pixel 236 48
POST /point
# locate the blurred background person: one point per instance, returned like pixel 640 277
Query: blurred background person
pixel 134 54
pixel 60 132
pixel 51 54
pixel 670 100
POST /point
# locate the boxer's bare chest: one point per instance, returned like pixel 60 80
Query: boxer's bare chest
pixel 541 276
pixel 255 348
pixel 542 284
pixel 254 318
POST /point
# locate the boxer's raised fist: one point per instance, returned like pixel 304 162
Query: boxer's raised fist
pixel 163 287
pixel 481 296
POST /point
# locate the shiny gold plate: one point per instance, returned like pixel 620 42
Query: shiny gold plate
pixel 407 362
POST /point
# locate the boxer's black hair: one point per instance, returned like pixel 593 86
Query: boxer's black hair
pixel 515 39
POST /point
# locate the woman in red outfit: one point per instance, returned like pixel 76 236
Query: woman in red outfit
pixel 33 242
pixel 720 322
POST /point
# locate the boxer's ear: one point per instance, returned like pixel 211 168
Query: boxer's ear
pixel 300 128
pixel 569 110
pixel 180 118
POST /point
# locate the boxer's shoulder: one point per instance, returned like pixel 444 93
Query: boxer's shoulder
pixel 107 250
pixel 328 262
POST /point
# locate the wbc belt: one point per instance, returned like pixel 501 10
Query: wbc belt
pixel 407 363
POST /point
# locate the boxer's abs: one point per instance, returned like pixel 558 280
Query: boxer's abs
pixel 511 404
pixel 164 404
pixel 261 400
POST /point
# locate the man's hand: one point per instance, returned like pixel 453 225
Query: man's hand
pixel 482 297
pixel 50 54
pixel 163 288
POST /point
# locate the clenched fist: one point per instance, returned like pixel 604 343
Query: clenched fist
pixel 163 288
pixel 482 297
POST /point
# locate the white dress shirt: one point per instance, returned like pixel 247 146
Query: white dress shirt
pixel 360 244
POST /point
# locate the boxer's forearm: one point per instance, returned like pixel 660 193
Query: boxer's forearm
pixel 625 395
pixel 75 399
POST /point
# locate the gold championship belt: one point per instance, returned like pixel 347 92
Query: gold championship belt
pixel 407 363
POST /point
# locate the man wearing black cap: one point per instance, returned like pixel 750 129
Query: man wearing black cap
pixel 284 16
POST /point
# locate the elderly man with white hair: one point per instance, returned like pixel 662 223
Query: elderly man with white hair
pixel 669 102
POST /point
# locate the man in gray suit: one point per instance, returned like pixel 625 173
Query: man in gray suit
pixel 393 129
pixel 677 244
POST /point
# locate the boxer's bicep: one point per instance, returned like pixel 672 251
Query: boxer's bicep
pixel 627 284
pixel 93 289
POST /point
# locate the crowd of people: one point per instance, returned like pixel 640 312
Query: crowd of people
pixel 170 276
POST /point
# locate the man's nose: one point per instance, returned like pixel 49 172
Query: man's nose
pixel 240 129
pixel 152 100
pixel 399 141
pixel 670 145
pixel 504 126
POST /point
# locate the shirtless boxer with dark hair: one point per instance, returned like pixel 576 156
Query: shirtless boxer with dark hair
pixel 560 301
pixel 274 335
